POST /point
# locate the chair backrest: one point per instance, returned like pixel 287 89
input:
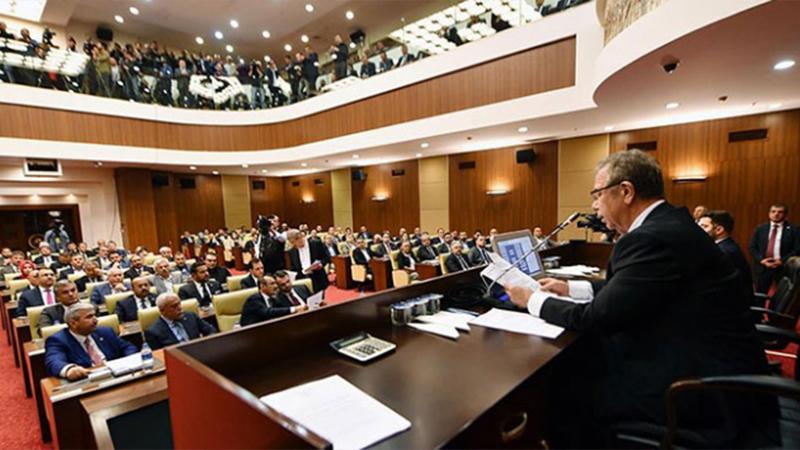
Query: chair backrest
pixel 75 276
pixel 112 299
pixel 393 258
pixel 110 321
pixel 46 332
pixel 374 248
pixel 9 276
pixel 15 286
pixel 90 287
pixel 304 282
pixel 147 317
pixel 342 248
pixel 791 269
pixel 33 318
pixel 191 305
pixel 442 262
pixel 228 307
pixel 415 251
pixel 235 282
pixel 149 259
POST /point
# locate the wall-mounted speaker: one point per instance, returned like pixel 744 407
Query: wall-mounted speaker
pixel 159 180
pixel 187 183
pixel 104 34
pixel 359 175
pixel 526 156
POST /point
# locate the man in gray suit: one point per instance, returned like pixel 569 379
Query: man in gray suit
pixel 66 295
pixel 164 280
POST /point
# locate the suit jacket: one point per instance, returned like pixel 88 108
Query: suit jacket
pixel 189 290
pixel 318 252
pixel 159 334
pixel 453 265
pixel 249 282
pixel 333 250
pixel 255 309
pixel 220 274
pixel 161 286
pixel 359 257
pixel 81 282
pixel 367 69
pixel 127 309
pixel 133 273
pixel 382 251
pixel 405 59
pixel 427 253
pixel 301 291
pixel 99 293
pixel 734 253
pixel 443 248
pixel 62 349
pixel 39 261
pixel 477 258
pixel 66 273
pixel 671 307
pixel 404 261
pixel 52 315
pixel 790 243
pixel 28 299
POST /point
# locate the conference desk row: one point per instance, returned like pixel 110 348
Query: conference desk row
pixel 381 269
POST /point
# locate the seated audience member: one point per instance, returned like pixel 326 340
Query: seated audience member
pixel 376 240
pixel 455 261
pixel 45 258
pixel 405 57
pixel 538 239
pixel 75 267
pixel 308 259
pixel 444 247
pixel 12 263
pixel 175 326
pixel 478 255
pixel 165 280
pixel 127 309
pixel 5 256
pixel 112 248
pixel 117 260
pixel 719 225
pixel 200 287
pixel 361 254
pixel 267 304
pixel 439 238
pixel 293 295
pixel 215 271
pixel 92 274
pixel 67 295
pixel 33 282
pixel 103 258
pixel 406 261
pixel 165 253
pixel 256 273
pixel 42 295
pixel 386 64
pixel 331 245
pixel 83 249
pixel 71 352
pixel 385 246
pixel 492 236
pixel 137 268
pixel 426 250
pixel 772 244
pixel 466 242
pixel 363 233
pixel 182 267
pixel 115 283
pixel 25 268
pixel 699 212
pixel 367 67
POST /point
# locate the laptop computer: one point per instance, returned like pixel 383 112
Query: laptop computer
pixel 512 246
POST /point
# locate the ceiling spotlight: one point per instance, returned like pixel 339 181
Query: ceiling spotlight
pixel 245 166
pixel 98 164
pixel 673 105
pixel 265 34
pixel 134 10
pixel 522 129
pixel 356 156
pixel 192 167
pixel 424 145
pixel 199 40
pixel 119 19
pixel 215 172
pixel 775 105
pixel 287 47
pixel 229 48
pixel 419 155
pixel 264 171
pixel 352 45
pixel 349 15
pixel 218 34
pixel 304 165
pixel 309 7
pixel 609 128
pixel 304 38
pixel 785 64
pixel 267 58
pixel 234 23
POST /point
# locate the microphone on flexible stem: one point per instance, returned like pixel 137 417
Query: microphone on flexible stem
pixel 574 216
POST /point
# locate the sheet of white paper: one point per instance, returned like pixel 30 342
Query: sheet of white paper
pixel 315 301
pixel 579 270
pixel 517 322
pixel 127 364
pixel 436 328
pixel 339 412
pixel 459 321
pixel 513 276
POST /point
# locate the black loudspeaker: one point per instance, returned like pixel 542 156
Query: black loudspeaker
pixel 525 156
pixel 160 180
pixel 357 36
pixel 359 175
pixel 105 34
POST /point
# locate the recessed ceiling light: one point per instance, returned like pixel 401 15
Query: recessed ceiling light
pixel 98 164
pixel 304 165
pixel 229 48
pixel 304 38
pixel 419 155
pixel 349 15
pixel 134 10
pixel 309 7
pixel 267 58
pixel 424 145
pixel 673 105
pixel 218 34
pixel 192 167
pixel 265 34
pixel 234 23
pixel 522 129
pixel 609 128
pixel 245 166
pixel 356 156
pixel 287 47
pixel 775 105
pixel 264 171
pixel 352 45
pixel 785 64
pixel 119 19
pixel 215 172
pixel 199 40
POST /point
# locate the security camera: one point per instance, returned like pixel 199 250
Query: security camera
pixel 670 64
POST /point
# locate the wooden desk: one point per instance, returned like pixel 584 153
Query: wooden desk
pixel 22 334
pixel 343 276
pixel 381 269
pixel 9 312
pixel 238 260
pixel 428 271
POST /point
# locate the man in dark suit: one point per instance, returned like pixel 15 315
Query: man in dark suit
pixel 426 251
pixel 478 255
pixel 92 274
pixel 115 283
pixel 266 304
pixel 308 259
pixel 386 247
pixel 71 352
pixel 256 272
pixel 182 267
pixel 367 67
pixel 67 295
pixel 455 261
pixel 405 57
pixel 75 266
pixel 42 295
pixel 671 307
pixel 137 268
pixel 45 258
pixel 361 254
pixel 772 244
pixel 444 247
pixel 127 309
pixel 292 295
pixel 175 326
pixel 364 234
pixel 719 225
pixel 215 271
pixel 406 260
pixel 331 246
pixel 200 287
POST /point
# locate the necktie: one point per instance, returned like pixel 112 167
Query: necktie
pixel 773 234
pixel 293 298
pixel 461 261
pixel 96 359
pixel 206 292
pixel 180 332
pixel 48 295
pixel 143 303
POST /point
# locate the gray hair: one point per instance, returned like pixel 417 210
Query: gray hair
pixel 73 311
pixel 114 270
pixel 61 284
pixel 162 299
pixel 637 168
pixel 292 234
pixel 164 248
pixel 159 260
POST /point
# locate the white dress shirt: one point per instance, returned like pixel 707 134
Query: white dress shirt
pixel 305 256
pixel 81 340
pixel 268 301
pixel 43 292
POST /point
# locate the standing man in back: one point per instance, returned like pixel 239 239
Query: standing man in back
pixel 719 225
pixel 773 243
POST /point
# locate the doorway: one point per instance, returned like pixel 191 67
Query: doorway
pixel 23 226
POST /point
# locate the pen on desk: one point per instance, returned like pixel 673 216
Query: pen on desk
pixel 463 311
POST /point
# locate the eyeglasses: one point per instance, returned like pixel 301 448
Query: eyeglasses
pixel 595 193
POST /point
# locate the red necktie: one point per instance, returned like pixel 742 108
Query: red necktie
pixel 773 234
pixel 97 360
pixel 48 296
pixel 293 298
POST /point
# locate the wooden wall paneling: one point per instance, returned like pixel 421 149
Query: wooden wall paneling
pixel 136 208
pixel 532 199
pixel 401 208
pixel 744 178
pixel 320 209
pixel 545 68
pixel 166 215
pixel 270 200
pixel 201 207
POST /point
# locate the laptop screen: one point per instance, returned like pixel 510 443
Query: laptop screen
pixel 513 248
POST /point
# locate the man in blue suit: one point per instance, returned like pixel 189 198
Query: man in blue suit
pixel 127 309
pixel 175 326
pixel 44 294
pixel 114 284
pixel 72 352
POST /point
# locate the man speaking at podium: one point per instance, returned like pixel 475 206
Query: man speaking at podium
pixel 671 306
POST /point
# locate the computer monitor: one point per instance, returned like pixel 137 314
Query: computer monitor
pixel 512 246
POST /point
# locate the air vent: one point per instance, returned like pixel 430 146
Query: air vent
pixel 318 181
pixel 259 185
pixel 466 165
pixel 398 172
pixel 648 146
pixel 295 184
pixel 42 168
pixel 186 183
pixel 747 135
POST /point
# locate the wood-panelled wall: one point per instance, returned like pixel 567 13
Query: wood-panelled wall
pixel 300 189
pixel 268 200
pixel 744 178
pixel 137 210
pixel 400 209
pixel 545 68
pixel 532 199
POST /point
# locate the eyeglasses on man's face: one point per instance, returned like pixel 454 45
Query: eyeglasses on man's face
pixel 597 193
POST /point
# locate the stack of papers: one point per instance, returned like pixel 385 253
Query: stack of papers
pixel 339 412
pixel 315 301
pixel 126 365
pixel 504 274
pixel 443 323
pixel 517 322
pixel 575 271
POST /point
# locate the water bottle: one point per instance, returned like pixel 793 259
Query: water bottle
pixel 147 358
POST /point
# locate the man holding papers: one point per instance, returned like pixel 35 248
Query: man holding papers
pixel 666 311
